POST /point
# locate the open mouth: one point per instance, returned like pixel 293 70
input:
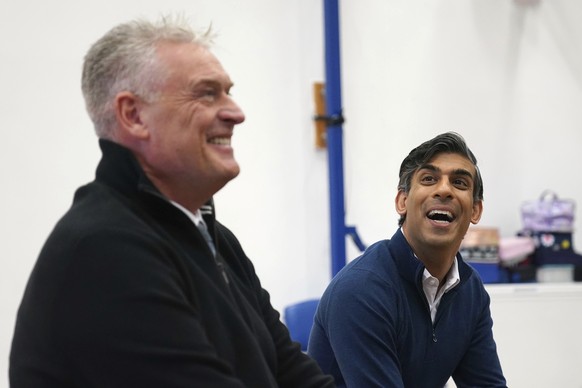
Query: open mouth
pixel 220 141
pixel 441 216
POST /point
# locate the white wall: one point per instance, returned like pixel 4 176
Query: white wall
pixel 508 78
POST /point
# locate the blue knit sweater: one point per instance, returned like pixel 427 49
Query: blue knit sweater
pixel 373 326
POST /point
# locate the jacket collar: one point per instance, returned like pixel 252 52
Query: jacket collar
pixel 120 170
pixel 410 267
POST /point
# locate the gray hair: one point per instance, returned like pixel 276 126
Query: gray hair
pixel 449 142
pixel 124 59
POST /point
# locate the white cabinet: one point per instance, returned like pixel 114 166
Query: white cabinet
pixel 538 330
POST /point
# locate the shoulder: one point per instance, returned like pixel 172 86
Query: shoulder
pixel 225 233
pixel 371 279
pixel 472 288
pixel 373 265
pixel 470 277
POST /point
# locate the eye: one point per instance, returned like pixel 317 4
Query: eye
pixel 209 93
pixel 461 183
pixel 428 179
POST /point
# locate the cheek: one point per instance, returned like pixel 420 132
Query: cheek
pixel 190 114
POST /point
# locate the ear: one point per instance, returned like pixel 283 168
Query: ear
pixel 128 108
pixel 400 202
pixel 477 211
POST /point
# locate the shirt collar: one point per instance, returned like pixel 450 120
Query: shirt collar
pixel 195 217
pixel 451 279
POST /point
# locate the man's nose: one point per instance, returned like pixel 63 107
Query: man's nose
pixel 443 188
pixel 232 112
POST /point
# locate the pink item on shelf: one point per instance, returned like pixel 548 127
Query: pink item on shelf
pixel 513 250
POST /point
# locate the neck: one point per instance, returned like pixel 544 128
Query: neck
pixel 438 267
pixel 184 191
pixel 191 199
pixel 437 259
pixel 181 187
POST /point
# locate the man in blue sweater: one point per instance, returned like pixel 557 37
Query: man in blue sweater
pixel 410 312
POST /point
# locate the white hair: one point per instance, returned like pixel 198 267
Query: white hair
pixel 124 59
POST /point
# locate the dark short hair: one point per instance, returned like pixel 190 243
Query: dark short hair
pixel 449 142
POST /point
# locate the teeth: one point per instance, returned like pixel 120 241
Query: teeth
pixel 433 212
pixel 440 215
pixel 220 141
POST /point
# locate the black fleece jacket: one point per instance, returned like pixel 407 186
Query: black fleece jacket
pixel 126 293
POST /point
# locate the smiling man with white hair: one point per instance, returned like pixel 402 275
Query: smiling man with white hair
pixel 139 285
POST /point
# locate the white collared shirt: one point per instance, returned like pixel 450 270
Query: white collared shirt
pixel 196 217
pixel 430 285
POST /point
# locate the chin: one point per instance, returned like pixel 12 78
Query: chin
pixel 235 171
pixel 231 173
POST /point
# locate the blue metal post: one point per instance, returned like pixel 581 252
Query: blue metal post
pixel 334 135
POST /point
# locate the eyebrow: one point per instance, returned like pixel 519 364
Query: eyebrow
pixel 457 172
pixel 201 82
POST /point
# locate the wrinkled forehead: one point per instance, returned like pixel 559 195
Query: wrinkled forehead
pixel 189 63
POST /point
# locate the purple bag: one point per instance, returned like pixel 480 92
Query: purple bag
pixel 548 214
